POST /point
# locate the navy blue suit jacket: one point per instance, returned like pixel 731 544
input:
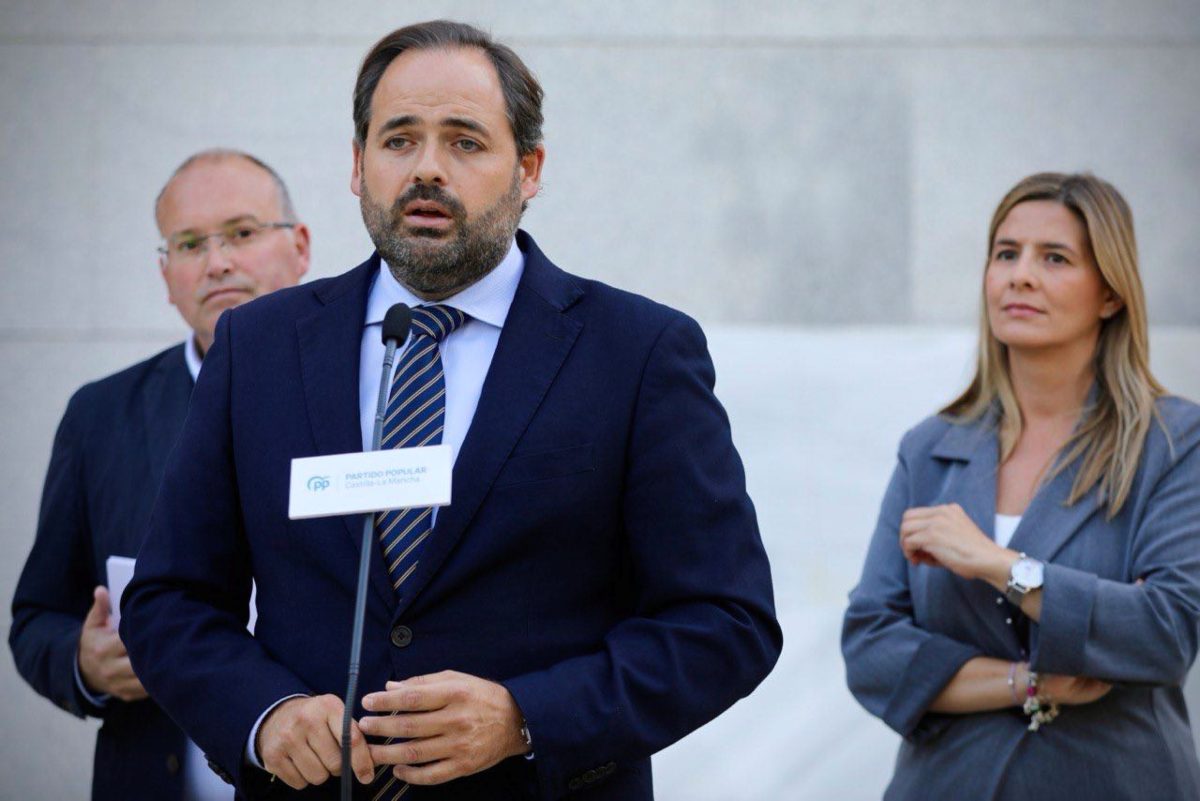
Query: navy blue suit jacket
pixel 107 461
pixel 600 556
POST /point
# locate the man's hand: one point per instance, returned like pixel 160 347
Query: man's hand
pixel 453 725
pixel 300 741
pixel 103 662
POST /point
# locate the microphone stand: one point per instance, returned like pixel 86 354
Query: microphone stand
pixel 364 570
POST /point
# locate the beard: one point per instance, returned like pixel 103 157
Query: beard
pixel 436 263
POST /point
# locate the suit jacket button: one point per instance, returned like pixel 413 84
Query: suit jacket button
pixel 401 636
pixel 172 764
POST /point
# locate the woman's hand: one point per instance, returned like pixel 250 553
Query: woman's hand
pixel 1071 690
pixel 945 536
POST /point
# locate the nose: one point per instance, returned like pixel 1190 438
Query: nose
pixel 429 168
pixel 216 256
pixel 1022 273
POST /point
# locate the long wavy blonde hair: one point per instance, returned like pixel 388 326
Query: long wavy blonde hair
pixel 1109 437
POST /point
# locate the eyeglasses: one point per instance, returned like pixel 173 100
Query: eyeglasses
pixel 189 247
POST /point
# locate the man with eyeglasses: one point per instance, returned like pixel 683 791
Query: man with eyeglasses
pixel 230 234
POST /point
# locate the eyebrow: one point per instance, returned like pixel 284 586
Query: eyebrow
pixel 1042 245
pixel 466 123
pixel 405 120
pixel 231 221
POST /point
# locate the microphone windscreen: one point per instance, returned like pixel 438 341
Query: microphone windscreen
pixel 396 323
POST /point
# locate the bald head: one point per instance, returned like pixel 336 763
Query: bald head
pixel 285 209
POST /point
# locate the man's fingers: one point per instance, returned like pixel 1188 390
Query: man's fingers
pixel 118 673
pixel 407 725
pixel 109 646
pixel 433 773
pixel 297 734
pixel 287 773
pixel 330 749
pixel 361 760
pixel 309 765
pixel 408 698
pixel 100 610
pixel 413 752
pixel 129 689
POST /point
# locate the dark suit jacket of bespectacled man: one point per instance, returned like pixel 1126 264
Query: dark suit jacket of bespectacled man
pixel 597 587
pixel 108 459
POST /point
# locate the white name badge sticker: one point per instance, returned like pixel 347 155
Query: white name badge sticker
pixel 350 483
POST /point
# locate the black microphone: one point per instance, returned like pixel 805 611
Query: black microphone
pixel 396 325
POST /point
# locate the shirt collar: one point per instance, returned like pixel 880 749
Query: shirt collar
pixel 487 300
pixel 191 355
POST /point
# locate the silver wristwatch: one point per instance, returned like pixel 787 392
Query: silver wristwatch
pixel 1026 575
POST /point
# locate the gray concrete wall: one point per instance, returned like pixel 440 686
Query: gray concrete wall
pixel 811 180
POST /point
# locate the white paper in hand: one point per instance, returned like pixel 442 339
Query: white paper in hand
pixel 120 573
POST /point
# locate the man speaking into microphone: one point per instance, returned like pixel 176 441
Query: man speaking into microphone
pixel 596 587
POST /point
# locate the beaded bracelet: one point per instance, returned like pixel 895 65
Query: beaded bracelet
pixel 1039 713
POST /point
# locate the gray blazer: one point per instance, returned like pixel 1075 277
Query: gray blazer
pixel 909 629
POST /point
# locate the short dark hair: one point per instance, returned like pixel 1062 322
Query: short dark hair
pixel 522 92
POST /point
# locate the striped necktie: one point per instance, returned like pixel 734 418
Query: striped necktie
pixel 385 786
pixel 415 416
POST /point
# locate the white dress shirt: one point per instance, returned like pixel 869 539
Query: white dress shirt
pixel 466 356
pixel 1006 526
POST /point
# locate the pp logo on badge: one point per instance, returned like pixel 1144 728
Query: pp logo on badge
pixel 318 483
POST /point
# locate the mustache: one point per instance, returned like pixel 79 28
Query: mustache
pixel 432 193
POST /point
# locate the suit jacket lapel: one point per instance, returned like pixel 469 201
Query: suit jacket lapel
pixel 330 343
pixel 1048 523
pixel 536 339
pixel 165 397
pixel 973 486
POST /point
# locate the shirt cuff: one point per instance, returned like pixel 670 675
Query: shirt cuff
pixel 99 701
pixel 251 757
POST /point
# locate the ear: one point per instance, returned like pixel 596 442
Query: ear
pixel 529 172
pixel 1112 305
pixel 356 173
pixel 162 270
pixel 303 248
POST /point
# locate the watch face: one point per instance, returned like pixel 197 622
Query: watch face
pixel 1028 573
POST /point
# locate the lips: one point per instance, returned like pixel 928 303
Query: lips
pixel 427 214
pixel 225 291
pixel 426 210
pixel 1021 310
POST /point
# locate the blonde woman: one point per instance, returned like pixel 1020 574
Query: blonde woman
pixel 1028 609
